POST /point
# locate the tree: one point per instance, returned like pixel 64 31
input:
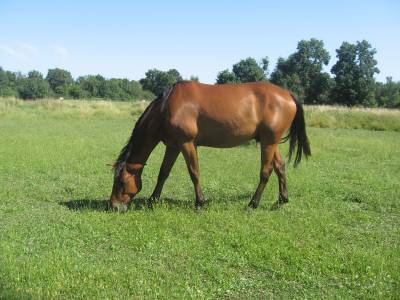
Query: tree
pixel 7 83
pixel 354 74
pixel 33 87
pixel 76 92
pixel 248 70
pixel 284 76
pixel 226 76
pixel 158 81
pixel 302 72
pixel 388 94
pixel 94 86
pixel 194 78
pixel 59 81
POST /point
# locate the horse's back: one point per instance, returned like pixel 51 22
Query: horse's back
pixel 227 115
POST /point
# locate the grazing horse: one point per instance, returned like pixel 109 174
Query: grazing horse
pixel 193 114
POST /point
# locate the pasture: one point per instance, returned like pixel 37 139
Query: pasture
pixel 339 236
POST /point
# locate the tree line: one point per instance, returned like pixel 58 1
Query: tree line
pixel 350 81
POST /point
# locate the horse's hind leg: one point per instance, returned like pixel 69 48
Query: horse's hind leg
pixel 169 159
pixel 279 167
pixel 189 151
pixel 267 157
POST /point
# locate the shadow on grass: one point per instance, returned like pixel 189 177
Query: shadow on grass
pixel 141 203
pixel 86 204
pixel 100 205
pixel 179 203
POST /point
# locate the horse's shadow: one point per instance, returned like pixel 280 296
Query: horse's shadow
pixel 86 204
pixel 137 203
pixel 142 203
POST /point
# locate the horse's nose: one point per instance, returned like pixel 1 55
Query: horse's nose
pixel 119 207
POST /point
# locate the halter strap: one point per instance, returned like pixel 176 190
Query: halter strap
pixel 134 167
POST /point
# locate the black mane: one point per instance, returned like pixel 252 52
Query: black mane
pixel 128 148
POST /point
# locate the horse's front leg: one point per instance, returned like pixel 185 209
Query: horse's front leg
pixel 170 157
pixel 189 151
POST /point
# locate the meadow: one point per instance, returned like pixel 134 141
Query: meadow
pixel 338 237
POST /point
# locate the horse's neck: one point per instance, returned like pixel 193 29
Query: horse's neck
pixel 147 138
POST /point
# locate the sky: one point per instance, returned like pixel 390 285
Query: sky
pixel 124 39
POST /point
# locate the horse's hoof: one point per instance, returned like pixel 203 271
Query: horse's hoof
pixel 282 200
pixel 252 205
pixel 249 209
pixel 150 204
pixel 199 209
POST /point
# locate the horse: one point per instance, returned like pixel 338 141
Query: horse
pixel 192 114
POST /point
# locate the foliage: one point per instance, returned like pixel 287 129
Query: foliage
pixel 92 85
pixel 388 94
pixel 302 72
pixel 226 76
pixel 246 70
pixel 60 81
pixel 76 92
pixel 7 83
pixel 354 74
pixel 194 78
pixel 337 237
pixel 158 81
pixel 33 87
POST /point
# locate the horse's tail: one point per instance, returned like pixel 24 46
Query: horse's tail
pixel 297 135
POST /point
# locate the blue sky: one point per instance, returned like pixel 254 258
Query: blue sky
pixel 126 38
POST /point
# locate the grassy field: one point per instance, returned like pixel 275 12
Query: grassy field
pixel 339 237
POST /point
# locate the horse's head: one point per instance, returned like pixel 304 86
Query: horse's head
pixel 127 183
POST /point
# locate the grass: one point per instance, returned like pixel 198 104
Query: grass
pixel 379 119
pixel 337 238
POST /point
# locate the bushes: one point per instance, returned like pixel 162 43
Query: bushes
pixel 33 87
pixel 59 83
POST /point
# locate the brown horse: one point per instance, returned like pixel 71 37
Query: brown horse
pixel 192 114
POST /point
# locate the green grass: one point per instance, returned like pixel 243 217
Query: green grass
pixel 337 238
pixel 379 119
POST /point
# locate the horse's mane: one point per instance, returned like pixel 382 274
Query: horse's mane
pixel 126 151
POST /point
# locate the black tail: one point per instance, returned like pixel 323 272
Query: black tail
pixel 297 135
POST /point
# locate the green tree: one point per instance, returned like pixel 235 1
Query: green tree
pixel 93 86
pixel 158 81
pixel 76 92
pixel 285 77
pixel 226 76
pixel 248 70
pixel 194 78
pixel 302 72
pixel 33 87
pixel 354 74
pixel 388 93
pixel 59 81
pixel 7 83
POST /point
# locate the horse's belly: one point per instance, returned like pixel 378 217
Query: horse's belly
pixel 214 134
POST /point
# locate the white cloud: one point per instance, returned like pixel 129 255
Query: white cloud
pixel 20 51
pixel 7 50
pixel 61 52
pixel 28 48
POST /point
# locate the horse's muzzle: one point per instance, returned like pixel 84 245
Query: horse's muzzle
pixel 119 207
